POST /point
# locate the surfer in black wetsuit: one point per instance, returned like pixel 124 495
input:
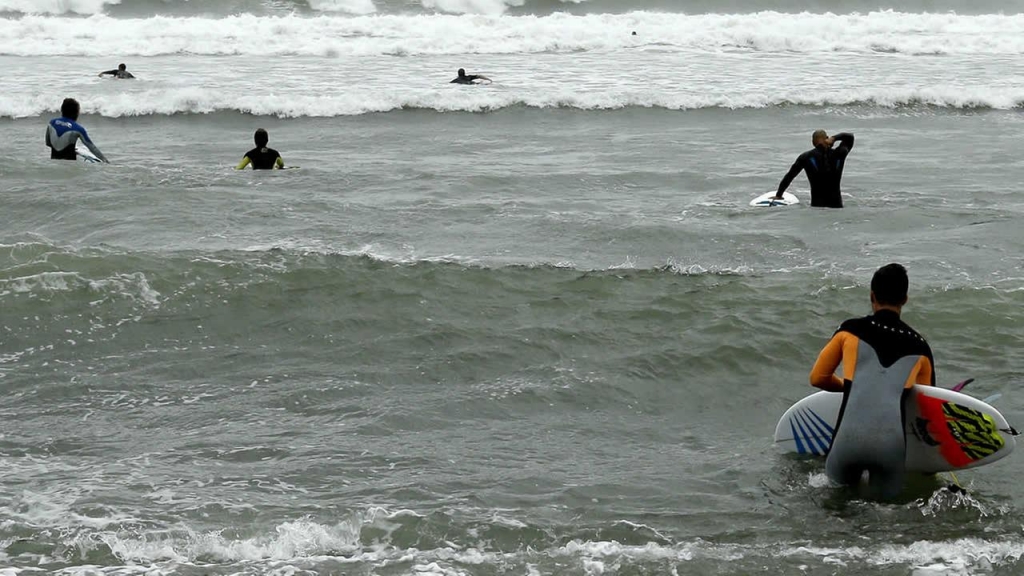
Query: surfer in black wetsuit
pixel 261 157
pixel 824 166
pixel 121 72
pixel 464 78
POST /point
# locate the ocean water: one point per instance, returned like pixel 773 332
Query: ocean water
pixel 525 328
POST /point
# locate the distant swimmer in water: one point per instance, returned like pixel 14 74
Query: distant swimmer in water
pixel 824 166
pixel 464 78
pixel 63 133
pixel 121 72
pixel 261 157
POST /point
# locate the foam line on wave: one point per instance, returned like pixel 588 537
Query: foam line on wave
pixel 221 101
pixel 438 34
pixel 490 7
pixel 56 6
pixel 356 7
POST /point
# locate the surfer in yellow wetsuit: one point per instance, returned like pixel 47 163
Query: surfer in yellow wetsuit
pixel 882 358
pixel 261 157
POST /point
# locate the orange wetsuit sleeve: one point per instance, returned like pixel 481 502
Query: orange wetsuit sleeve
pixel 923 373
pixel 823 374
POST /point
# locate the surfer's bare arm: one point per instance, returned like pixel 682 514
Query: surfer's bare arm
pixel 245 162
pixel 279 163
pixel 823 374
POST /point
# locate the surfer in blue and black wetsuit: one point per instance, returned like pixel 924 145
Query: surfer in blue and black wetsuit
pixel 882 358
pixel 63 133
pixel 824 166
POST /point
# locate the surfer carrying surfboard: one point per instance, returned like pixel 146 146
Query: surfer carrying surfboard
pixel 882 359
pixel 63 133
pixel 824 166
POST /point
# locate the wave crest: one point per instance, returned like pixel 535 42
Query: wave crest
pixel 204 101
pixel 56 6
pixel 401 35
pixel 356 7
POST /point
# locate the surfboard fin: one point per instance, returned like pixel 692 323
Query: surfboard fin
pixel 962 385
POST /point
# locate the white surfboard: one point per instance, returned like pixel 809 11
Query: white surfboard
pixel 84 155
pixel 768 200
pixel 945 430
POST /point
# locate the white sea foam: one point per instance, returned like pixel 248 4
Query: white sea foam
pixel 56 6
pixel 490 7
pixel 472 6
pixel 285 105
pixel 308 541
pixel 297 539
pixel 820 480
pixel 966 555
pixel 131 286
pixel 54 508
pixel 346 6
pixel 331 35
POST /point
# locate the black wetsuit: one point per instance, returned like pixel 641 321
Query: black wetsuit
pixel 824 167
pixel 890 336
pixel 262 158
pixel 118 74
pixel 467 79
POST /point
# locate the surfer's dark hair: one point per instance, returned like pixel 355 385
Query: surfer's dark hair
pixel 69 108
pixel 462 71
pixel 261 137
pixel 890 284
pixel 121 66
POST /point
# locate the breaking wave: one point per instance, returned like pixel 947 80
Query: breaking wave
pixel 405 35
